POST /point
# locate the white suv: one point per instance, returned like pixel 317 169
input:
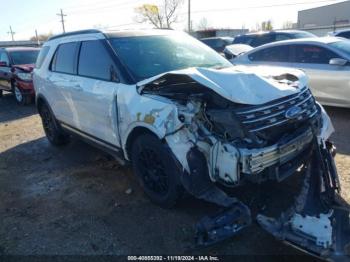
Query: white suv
pixel 187 120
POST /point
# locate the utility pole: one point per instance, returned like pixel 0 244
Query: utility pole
pixel 62 20
pixel 37 38
pixel 12 33
pixel 189 16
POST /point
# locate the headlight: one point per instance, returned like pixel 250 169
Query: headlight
pixel 25 76
pixel 327 127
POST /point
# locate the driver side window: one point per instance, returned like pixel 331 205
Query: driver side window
pixel 312 54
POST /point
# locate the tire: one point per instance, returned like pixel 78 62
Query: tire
pixel 156 169
pixel 21 99
pixel 53 131
pixel 1 93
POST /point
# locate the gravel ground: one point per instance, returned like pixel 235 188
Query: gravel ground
pixel 75 200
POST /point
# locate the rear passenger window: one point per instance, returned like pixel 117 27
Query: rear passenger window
pixel 64 61
pixel 41 57
pixel 247 40
pixel 262 39
pixel 271 54
pixel 95 61
pixel 311 54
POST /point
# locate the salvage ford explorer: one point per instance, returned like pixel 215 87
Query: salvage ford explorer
pixel 189 121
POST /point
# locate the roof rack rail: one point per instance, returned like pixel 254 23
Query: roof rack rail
pixel 88 31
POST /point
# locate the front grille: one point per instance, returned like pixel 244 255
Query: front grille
pixel 273 114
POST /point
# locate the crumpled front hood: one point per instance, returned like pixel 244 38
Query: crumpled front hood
pixel 240 84
pixel 27 68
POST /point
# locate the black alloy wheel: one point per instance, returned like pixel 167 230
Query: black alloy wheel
pixel 157 170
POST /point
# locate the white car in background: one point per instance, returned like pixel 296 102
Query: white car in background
pixel 232 51
pixel 324 60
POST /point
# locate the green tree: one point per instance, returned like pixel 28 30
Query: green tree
pixel 159 16
pixel 266 25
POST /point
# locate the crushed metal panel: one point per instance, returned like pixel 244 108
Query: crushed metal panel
pixel 235 83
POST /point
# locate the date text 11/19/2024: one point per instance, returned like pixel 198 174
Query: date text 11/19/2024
pixel 173 258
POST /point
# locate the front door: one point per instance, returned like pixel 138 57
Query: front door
pixel 330 84
pixel 94 92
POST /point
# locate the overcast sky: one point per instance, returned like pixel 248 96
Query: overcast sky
pixel 27 15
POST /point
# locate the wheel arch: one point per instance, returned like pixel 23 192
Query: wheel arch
pixel 133 134
pixel 40 100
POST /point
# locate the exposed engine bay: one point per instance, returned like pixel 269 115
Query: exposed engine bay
pixel 226 140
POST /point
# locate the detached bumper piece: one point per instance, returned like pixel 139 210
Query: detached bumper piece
pixel 226 223
pixel 318 222
pixel 223 225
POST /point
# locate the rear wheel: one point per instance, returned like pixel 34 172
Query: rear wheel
pixel 156 169
pixel 53 131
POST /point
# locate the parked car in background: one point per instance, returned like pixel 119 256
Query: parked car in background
pixel 232 51
pixel 16 66
pixel 261 38
pixel 324 60
pixel 342 33
pixel 187 120
pixel 217 43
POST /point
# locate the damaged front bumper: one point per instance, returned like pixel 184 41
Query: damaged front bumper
pixel 318 222
pixel 254 161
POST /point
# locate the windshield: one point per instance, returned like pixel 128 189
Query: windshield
pixel 343 46
pixel 147 56
pixel 24 57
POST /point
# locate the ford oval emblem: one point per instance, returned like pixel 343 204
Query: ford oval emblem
pixel 293 112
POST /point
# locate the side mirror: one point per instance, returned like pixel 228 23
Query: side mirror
pixel 338 61
pixel 3 64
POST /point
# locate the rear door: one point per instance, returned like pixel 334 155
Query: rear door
pixel 5 71
pixel 94 92
pixel 62 81
pixel 329 83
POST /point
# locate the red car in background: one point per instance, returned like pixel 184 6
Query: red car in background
pixel 16 66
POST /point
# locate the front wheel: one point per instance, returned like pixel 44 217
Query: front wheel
pixel 20 97
pixel 53 131
pixel 154 165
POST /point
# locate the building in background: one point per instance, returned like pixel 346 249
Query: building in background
pixel 19 43
pixel 324 19
pixel 218 33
